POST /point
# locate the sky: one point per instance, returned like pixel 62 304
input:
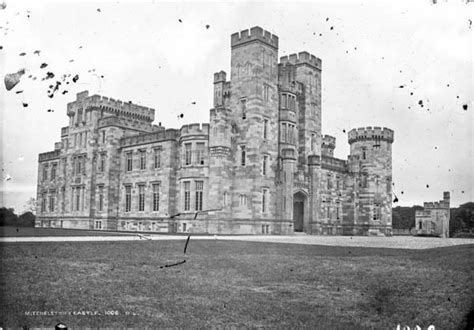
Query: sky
pixel 381 61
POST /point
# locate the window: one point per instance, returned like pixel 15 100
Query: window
pixel 80 139
pixel 266 92
pixel 103 137
pixel 187 195
pixel 243 106
pixel 45 172
pixel 78 165
pixel 283 132
pixel 265 128
pixel 363 153
pixel 141 198
pixel 98 224
pixel 329 182
pixel 78 198
pixel 420 225
pixel 157 158
pixel 264 200
pixel 142 159
pixel 363 180
pixel 102 163
pixel 79 116
pixel 242 200
pixel 199 185
pixel 43 202
pixel 264 164
pixel 242 155
pixel 128 198
pixel 200 153
pixel 187 154
pixel 313 141
pixel 129 161
pixel 156 197
pixel 226 197
pixel 53 171
pixel 184 227
pixel 101 198
pixel 283 101
pixel 338 205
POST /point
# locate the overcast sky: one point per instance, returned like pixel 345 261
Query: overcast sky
pixel 162 55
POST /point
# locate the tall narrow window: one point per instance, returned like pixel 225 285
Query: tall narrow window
pixel 363 153
pixel 226 197
pixel 338 205
pixel 101 198
pixel 142 159
pixel 156 197
pixel 102 163
pixel 243 106
pixel 78 198
pixel 200 153
pixel 43 202
pixel 264 164
pixel 266 92
pixel 128 198
pixel 157 158
pixel 264 200
pixel 187 154
pixel 187 195
pixel 199 190
pixel 80 139
pixel 103 137
pixel 242 155
pixel 52 201
pixel 53 171
pixel 242 200
pixel 313 141
pixel 79 117
pixel 141 198
pixel 329 183
pixel 283 132
pixel 129 158
pixel 265 128
pixel 45 172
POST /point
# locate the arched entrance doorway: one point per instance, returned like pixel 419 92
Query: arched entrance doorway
pixel 299 200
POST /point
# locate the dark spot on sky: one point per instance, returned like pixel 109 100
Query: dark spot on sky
pixel 436 147
pixel 194 102
pixel 75 78
pixel 347 52
pixel 49 110
pixel 383 58
pixel 180 115
pixel 179 20
pixel 25 105
pixel 37 52
pixel 49 75
pixel 43 65
pixel 98 9
pixel 447 85
pixel 102 76
pixel 327 19
pixel 332 27
pixel 402 192
pixel 411 93
pixel 401 86
pixel 457 96
pixel 207 26
pixel 464 106
pixel 427 186
pixel 80 47
pixel 420 102
pixel 64 92
pixel 343 131
pixel 70 61
pixel 320 34
pixel 18 92
pixel 1 47
pixel 22 54
pixel 395 200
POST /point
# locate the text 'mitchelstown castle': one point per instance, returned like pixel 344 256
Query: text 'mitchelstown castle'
pixel 261 165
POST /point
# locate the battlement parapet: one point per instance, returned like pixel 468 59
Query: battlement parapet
pixel 50 155
pixel 195 129
pixel 302 58
pixel 314 160
pixel 58 145
pixel 333 164
pixel 64 131
pixel 168 134
pixel 329 142
pixel 220 77
pixel 254 34
pixel 371 133
pixel 288 154
pixel 117 107
pixel 436 205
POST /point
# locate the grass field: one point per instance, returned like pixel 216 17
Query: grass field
pixel 39 232
pixel 234 284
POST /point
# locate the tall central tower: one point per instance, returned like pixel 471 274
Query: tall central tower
pixel 254 106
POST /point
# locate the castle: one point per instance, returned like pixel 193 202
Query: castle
pixel 261 165
pixel 434 218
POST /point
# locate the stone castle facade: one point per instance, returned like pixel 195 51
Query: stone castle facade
pixel 261 165
pixel 434 218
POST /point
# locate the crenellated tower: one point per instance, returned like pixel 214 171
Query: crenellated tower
pixel 371 163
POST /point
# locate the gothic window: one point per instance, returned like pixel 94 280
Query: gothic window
pixel 313 141
pixel 187 195
pixel 78 198
pixel 226 197
pixel 141 198
pixel 266 92
pixel 103 137
pixel 101 162
pixel 283 132
pixel 156 197
pixel 242 200
pixel 45 172
pixel 199 185
pixel 52 201
pixel 43 202
pixel 283 101
pixel 264 165
pixel 363 153
pixel 128 198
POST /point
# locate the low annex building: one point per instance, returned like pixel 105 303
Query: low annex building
pixel 261 165
pixel 434 218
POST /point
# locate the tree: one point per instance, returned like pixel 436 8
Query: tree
pixel 462 219
pixel 30 206
pixel 27 219
pixel 8 217
pixel 403 217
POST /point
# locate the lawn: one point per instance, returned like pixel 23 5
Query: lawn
pixel 230 283
pixel 9 231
